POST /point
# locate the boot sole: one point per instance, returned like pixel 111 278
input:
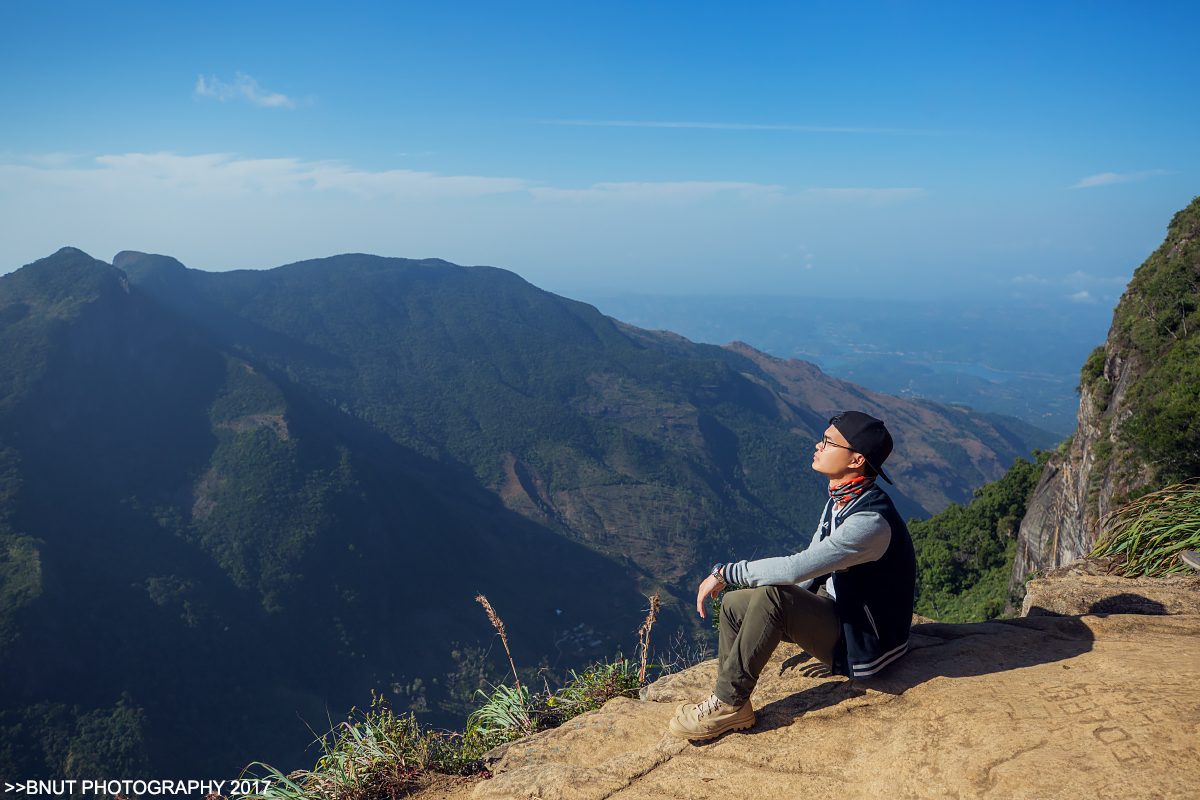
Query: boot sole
pixel 679 733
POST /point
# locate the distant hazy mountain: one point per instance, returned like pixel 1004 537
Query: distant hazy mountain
pixel 228 499
pixel 1006 354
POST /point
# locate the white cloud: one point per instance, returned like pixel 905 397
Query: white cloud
pixel 735 126
pixel 1082 297
pixel 871 196
pixel 667 191
pixel 51 159
pixel 695 191
pixel 245 88
pixel 223 173
pixel 1081 278
pixel 1029 279
pixel 1108 178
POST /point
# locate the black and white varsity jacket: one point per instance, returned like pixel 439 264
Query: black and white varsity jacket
pixel 874 598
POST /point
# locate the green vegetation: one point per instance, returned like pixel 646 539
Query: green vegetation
pixel 1158 322
pixel 108 742
pixel 1148 534
pixel 1093 368
pixel 965 554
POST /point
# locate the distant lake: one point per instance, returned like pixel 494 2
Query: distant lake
pixel 978 370
pixel 831 365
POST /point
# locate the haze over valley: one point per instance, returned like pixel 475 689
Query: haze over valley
pixel 1016 355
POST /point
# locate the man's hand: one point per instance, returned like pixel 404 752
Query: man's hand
pixel 710 587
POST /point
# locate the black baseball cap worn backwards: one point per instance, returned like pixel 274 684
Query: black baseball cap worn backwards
pixel 867 436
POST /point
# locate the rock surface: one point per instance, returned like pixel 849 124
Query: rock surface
pixel 1060 524
pixel 1086 587
pixel 1035 707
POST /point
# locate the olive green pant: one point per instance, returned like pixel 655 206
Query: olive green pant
pixel 754 621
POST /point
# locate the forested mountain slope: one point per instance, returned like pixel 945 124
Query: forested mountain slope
pixel 228 499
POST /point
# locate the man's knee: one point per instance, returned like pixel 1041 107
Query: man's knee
pixel 735 604
pixel 769 594
pixel 768 599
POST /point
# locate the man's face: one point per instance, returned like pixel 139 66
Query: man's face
pixel 832 455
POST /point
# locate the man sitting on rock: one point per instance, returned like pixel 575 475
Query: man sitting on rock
pixel 846 599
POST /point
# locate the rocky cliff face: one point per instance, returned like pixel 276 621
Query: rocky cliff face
pixel 1139 395
pixel 1078 484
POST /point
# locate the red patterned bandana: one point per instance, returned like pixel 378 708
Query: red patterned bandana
pixel 846 491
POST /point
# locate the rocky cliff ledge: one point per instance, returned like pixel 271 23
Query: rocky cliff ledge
pixel 1091 706
pixel 1088 587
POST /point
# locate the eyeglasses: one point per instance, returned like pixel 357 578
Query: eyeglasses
pixel 826 441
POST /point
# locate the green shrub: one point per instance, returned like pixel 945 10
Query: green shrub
pixel 1093 368
pixel 1064 446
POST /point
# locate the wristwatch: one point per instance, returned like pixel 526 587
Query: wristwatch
pixel 716 573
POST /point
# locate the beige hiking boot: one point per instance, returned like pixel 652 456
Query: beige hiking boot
pixel 711 718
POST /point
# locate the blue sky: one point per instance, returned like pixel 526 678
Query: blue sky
pixel 893 149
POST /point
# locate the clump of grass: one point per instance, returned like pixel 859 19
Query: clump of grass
pixel 589 690
pixel 505 715
pixel 1148 534
pixel 375 754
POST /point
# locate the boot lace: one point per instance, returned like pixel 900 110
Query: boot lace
pixel 707 707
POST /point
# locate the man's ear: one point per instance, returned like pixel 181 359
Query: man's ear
pixel 857 461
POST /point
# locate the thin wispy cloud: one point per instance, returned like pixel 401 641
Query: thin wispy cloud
pixel 1109 178
pixel 1082 297
pixel 667 191
pixel 737 126
pixel 1081 278
pixel 243 87
pixel 1029 279
pixel 225 174
pixel 875 197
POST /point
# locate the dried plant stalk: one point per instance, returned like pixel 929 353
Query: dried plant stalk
pixel 644 633
pixel 498 624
